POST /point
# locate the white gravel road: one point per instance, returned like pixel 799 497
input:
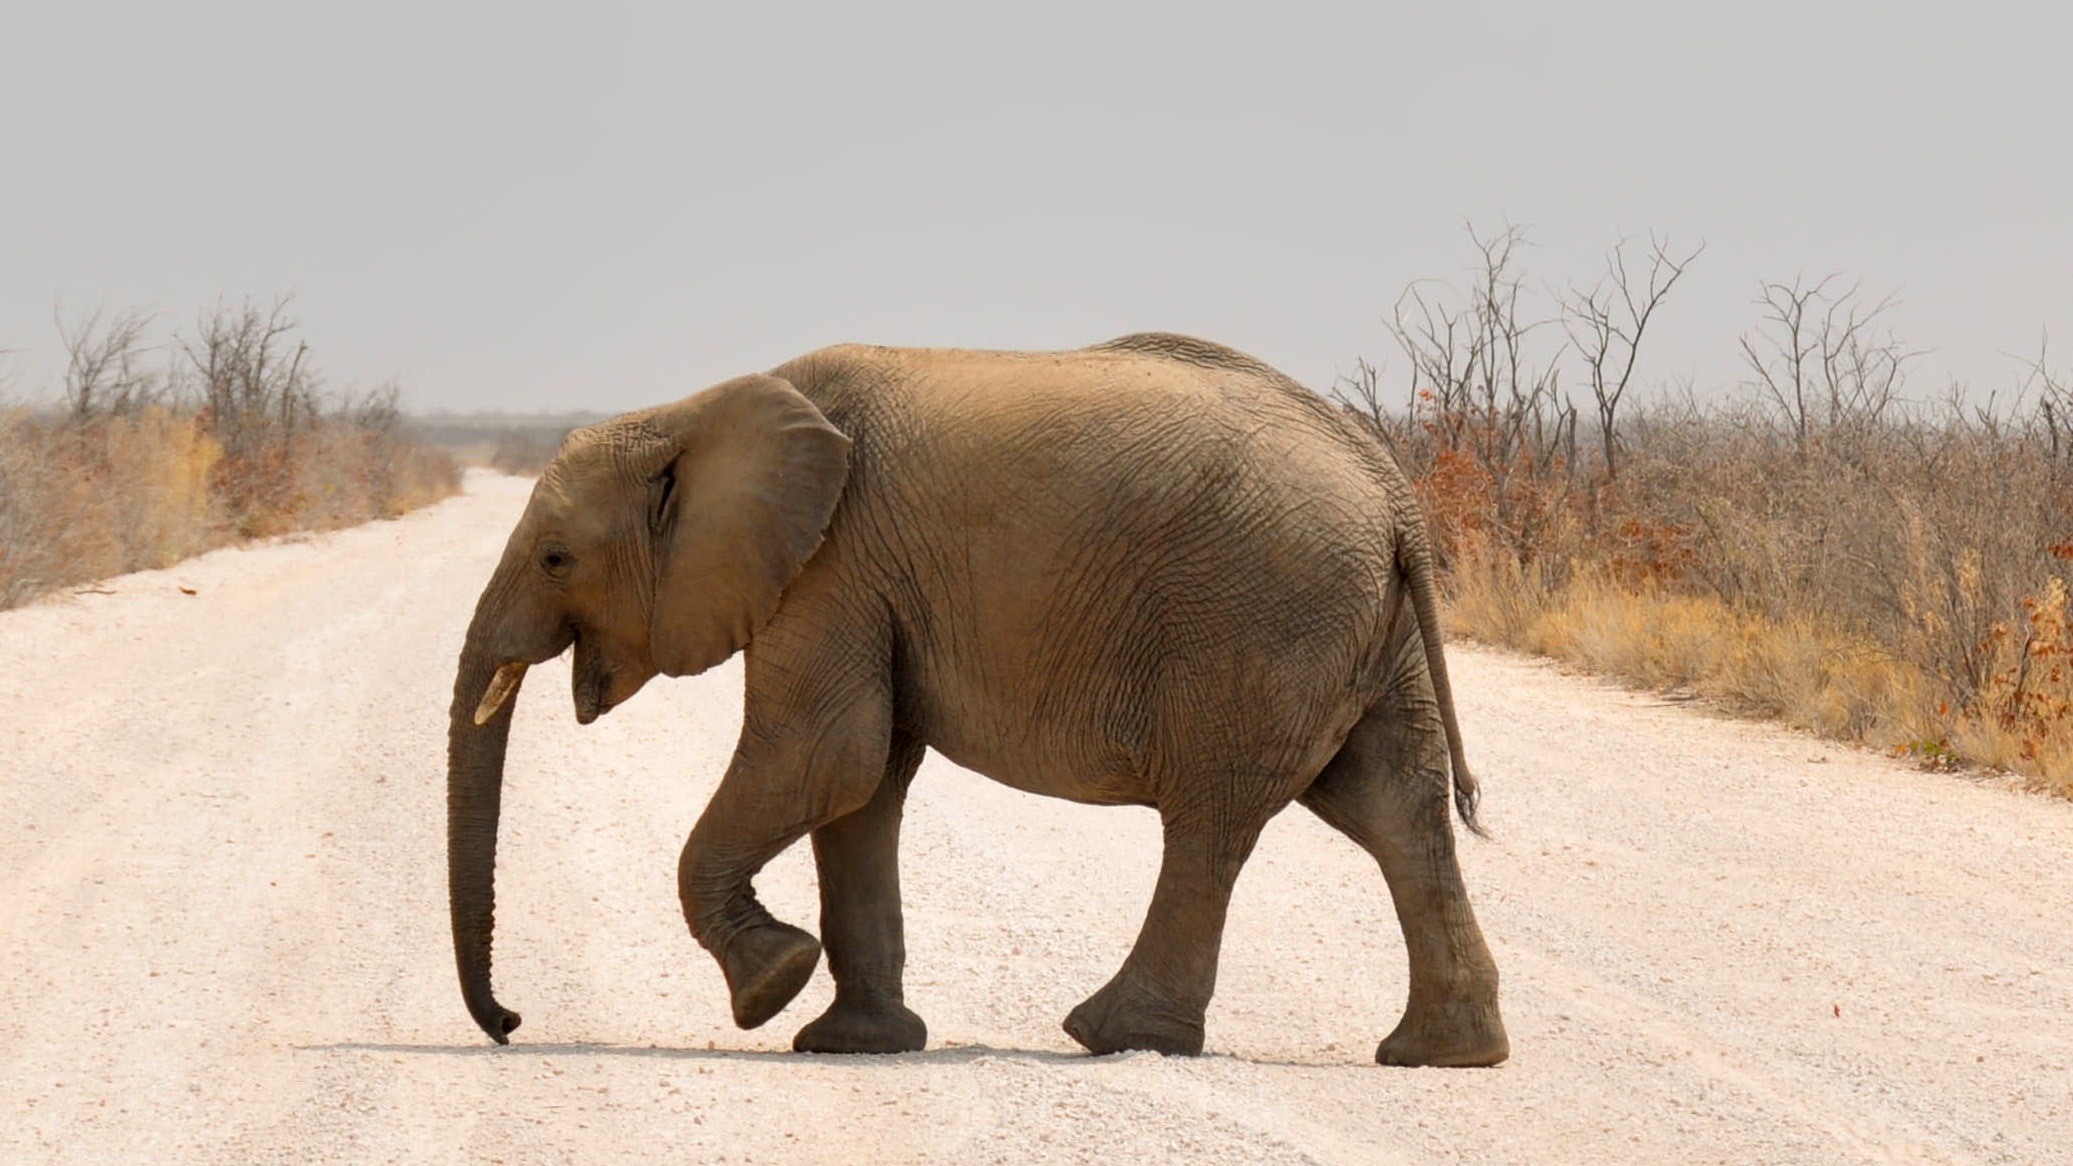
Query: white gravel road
pixel 223 931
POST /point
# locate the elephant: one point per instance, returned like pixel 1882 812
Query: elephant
pixel 1152 572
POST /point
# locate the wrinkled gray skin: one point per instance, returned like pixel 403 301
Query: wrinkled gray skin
pixel 1153 572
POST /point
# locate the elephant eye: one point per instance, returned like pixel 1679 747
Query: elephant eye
pixel 555 561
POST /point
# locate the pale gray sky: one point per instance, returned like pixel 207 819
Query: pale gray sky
pixel 604 206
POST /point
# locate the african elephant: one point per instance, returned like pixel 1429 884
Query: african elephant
pixel 1151 572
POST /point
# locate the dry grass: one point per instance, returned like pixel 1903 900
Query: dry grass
pixel 119 494
pixel 1793 669
pixel 226 440
pixel 85 502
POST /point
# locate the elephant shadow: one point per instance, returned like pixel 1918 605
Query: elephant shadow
pixel 949 1055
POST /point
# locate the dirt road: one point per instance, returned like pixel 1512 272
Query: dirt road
pixel 223 931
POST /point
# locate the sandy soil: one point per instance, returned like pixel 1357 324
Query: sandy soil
pixel 223 928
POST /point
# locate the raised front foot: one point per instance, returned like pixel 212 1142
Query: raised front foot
pixel 1459 1036
pixel 1131 1013
pixel 765 968
pixel 875 1027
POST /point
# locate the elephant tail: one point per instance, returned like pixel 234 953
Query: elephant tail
pixel 1414 559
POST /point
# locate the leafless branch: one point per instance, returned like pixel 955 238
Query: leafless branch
pixel 1606 325
pixel 2052 389
pixel 1824 360
pixel 1482 384
pixel 105 372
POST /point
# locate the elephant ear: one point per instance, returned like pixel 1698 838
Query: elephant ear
pixel 737 512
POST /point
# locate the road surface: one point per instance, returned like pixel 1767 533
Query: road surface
pixel 223 932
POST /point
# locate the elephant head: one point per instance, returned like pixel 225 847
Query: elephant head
pixel 656 542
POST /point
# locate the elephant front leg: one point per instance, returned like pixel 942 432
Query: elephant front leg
pixel 766 962
pixel 1158 999
pixel 779 787
pixel 858 859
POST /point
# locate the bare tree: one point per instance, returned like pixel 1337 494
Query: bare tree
pixel 2053 392
pixel 255 382
pixel 1606 325
pixel 1862 369
pixel 1361 394
pixel 1822 358
pixel 1489 393
pixel 1783 370
pixel 105 373
pixel 258 392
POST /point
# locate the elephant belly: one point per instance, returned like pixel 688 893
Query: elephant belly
pixel 1033 773
pixel 1106 736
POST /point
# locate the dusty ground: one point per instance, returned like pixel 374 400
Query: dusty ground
pixel 223 927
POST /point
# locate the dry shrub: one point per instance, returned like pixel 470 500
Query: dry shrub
pixel 520 444
pixel 84 501
pixel 143 467
pixel 523 454
pixel 2024 718
pixel 1906 589
pixel 356 466
pixel 1819 548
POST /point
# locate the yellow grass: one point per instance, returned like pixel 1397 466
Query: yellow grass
pixel 83 500
pixel 1792 670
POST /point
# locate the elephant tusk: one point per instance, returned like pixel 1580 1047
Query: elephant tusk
pixel 501 686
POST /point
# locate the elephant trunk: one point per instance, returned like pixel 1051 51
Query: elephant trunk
pixel 474 789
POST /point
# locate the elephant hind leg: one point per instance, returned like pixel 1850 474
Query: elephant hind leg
pixel 1387 789
pixel 1157 1001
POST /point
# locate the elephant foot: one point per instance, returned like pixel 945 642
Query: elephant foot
pixel 1130 1013
pixel 1467 1035
pixel 878 1027
pixel 765 968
